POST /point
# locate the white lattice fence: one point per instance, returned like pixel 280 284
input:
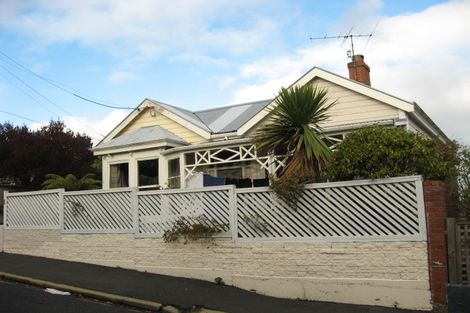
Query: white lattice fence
pixel 158 210
pixel 109 211
pixel 387 209
pixel 38 209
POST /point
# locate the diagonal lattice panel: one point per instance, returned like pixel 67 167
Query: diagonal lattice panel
pixel 158 210
pixel 349 211
pixel 98 211
pixel 33 209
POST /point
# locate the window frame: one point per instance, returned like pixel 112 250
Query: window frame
pixel 152 158
pixel 116 163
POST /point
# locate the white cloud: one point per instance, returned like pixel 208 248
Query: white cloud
pixel 96 129
pixel 420 57
pixel 148 28
pixel 273 73
pixel 225 81
pixel 116 77
pixel 199 58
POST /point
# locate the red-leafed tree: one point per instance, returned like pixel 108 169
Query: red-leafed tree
pixel 26 156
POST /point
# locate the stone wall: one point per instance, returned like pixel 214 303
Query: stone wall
pixel 374 273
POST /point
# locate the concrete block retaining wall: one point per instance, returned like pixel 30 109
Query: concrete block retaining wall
pixel 375 273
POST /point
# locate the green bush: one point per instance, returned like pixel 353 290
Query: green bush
pixel 192 229
pixel 463 200
pixel 380 151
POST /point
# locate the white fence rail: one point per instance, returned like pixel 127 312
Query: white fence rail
pixel 385 210
pixel 33 210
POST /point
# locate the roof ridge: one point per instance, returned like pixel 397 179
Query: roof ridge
pixel 182 110
pixel 215 108
pixel 361 84
pixel 170 105
pixel 233 105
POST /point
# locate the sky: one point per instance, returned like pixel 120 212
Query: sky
pixel 201 54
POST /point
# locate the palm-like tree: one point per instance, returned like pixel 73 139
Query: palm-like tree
pixel 71 182
pixel 295 129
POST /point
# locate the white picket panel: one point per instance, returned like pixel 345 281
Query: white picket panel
pixel 32 210
pixel 385 209
pixel 98 211
pixel 158 210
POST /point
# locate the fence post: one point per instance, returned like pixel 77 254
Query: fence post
pixel 421 208
pixel 233 213
pixel 5 206
pixel 451 251
pixel 61 210
pixel 435 206
pixel 135 210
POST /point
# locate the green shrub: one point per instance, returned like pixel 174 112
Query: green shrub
pixel 288 188
pixel 380 151
pixel 192 229
pixel 463 178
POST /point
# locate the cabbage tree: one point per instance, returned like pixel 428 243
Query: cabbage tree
pixel 295 129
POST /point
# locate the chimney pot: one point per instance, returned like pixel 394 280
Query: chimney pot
pixel 359 70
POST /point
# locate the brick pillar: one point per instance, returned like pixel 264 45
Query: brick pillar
pixel 435 196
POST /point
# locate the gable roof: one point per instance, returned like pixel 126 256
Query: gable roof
pixel 184 114
pixel 242 117
pixel 205 123
pixel 341 81
pixel 221 119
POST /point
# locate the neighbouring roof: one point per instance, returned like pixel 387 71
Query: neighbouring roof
pixel 219 120
pixel 141 136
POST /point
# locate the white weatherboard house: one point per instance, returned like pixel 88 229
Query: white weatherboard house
pixel 162 146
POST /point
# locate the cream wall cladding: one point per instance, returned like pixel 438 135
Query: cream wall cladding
pixel 352 107
pixel 146 119
pixel 374 273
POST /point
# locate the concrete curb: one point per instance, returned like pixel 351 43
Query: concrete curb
pixel 139 303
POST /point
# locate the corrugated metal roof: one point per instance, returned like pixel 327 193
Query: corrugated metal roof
pixel 141 135
pixel 230 118
pixel 219 120
pixel 184 114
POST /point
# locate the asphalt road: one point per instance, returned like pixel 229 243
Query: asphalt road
pixel 18 298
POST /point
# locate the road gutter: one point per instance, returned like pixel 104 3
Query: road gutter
pixel 100 295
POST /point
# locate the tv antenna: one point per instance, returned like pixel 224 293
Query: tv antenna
pixel 345 37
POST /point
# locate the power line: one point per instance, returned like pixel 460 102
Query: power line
pixel 34 90
pixel 64 87
pixel 45 98
pixel 20 116
pixel 26 93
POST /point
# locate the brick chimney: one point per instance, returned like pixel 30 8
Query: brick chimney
pixel 359 70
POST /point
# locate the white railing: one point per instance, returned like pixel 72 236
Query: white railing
pixel 374 210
